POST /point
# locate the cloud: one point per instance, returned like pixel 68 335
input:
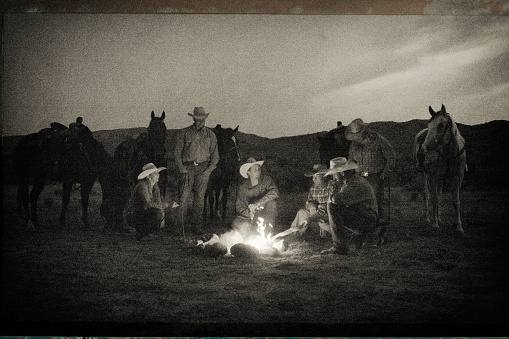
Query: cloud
pixel 381 98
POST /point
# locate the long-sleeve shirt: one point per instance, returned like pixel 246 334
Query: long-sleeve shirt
pixel 193 145
pixel 265 191
pixel 376 156
pixel 142 198
pixel 358 195
pixel 321 195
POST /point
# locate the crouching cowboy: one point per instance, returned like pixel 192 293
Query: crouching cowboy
pixel 353 210
pixel 146 210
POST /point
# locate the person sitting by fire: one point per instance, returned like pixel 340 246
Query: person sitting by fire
pixel 353 209
pixel 256 198
pixel 314 215
pixel 145 211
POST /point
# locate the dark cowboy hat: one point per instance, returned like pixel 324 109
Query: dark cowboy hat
pixel 340 165
pixel 355 128
pixel 317 170
pixel 198 113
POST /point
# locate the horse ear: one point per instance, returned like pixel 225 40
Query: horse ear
pixel 443 109
pixel 163 116
pixel 431 111
pixel 152 115
pixel 236 129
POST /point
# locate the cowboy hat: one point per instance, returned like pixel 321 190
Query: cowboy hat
pixel 199 113
pixel 317 170
pixel 149 169
pixel 249 162
pixel 340 165
pixel 355 128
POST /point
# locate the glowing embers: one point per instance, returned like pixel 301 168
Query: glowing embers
pixel 260 243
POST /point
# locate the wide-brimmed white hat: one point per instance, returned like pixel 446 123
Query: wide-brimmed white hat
pixel 340 164
pixel 355 128
pixel 199 113
pixel 249 162
pixel 148 169
pixel 318 169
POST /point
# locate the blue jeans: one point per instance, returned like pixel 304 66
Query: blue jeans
pixel 193 185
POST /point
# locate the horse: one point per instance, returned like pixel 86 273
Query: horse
pixel 116 191
pixel 333 144
pixel 67 155
pixel 131 154
pixel 224 174
pixel 439 153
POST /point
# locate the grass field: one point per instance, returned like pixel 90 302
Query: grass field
pixel 76 282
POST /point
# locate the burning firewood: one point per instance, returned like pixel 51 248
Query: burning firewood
pixel 215 250
pixel 244 251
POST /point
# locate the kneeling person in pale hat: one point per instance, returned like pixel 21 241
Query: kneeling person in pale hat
pixel 146 210
pixel 353 209
pixel 256 197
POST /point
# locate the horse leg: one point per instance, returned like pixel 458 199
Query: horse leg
pixel 66 195
pixel 426 199
pixel 439 202
pixel 217 195
pixel 34 197
pixel 23 201
pixel 206 200
pixel 434 203
pixel 86 188
pixel 457 204
pixel 224 201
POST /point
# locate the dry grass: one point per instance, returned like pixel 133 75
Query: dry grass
pixel 163 285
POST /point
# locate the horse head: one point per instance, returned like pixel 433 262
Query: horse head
pixel 227 143
pixel 442 130
pixel 333 144
pixel 156 133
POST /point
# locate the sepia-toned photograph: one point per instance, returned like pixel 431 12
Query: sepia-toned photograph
pixel 255 171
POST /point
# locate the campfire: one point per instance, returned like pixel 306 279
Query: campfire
pixel 236 245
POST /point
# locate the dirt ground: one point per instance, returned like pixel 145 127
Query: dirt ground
pixel 423 282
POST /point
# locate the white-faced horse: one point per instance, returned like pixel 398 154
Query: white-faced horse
pixel 439 152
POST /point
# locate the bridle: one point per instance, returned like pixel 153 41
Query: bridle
pixel 440 141
pixel 234 147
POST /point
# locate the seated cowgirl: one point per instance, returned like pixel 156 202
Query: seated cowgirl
pixel 315 214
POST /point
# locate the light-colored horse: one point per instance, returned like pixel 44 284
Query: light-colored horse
pixel 439 152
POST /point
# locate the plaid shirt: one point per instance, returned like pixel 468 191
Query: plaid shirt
pixel 374 157
pixel 321 195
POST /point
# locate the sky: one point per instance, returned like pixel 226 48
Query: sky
pixel 272 75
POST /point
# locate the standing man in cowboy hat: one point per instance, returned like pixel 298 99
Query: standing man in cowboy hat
pixel 145 211
pixel 256 197
pixel 196 155
pixel 352 209
pixel 376 159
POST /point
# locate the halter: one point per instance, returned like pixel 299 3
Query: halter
pixel 440 141
pixel 234 147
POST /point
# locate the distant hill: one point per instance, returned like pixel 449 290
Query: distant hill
pixel 287 158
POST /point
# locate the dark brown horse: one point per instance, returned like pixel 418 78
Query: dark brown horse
pixel 224 174
pixel 439 152
pixel 131 154
pixel 333 144
pixel 66 155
